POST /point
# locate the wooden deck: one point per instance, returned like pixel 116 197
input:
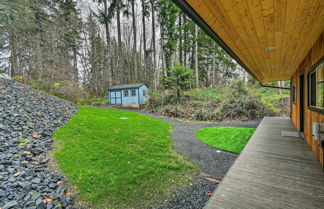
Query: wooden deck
pixel 272 172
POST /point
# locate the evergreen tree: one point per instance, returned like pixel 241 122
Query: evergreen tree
pixel 179 79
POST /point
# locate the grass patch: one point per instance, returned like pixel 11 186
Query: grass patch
pixel 232 139
pixel 120 163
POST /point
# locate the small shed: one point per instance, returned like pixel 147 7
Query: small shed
pixel 128 94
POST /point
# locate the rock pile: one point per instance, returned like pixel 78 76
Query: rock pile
pixel 27 121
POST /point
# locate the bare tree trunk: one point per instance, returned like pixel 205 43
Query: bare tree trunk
pixel 214 72
pixel 180 39
pixel 144 36
pixel 37 38
pixel 109 59
pixel 185 41
pixel 153 43
pixel 279 84
pixel 119 58
pixel 135 41
pixel 196 56
pixel 75 66
pixel 164 72
pixel 13 54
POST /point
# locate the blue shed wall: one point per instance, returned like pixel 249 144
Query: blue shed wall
pixel 143 98
pixel 130 99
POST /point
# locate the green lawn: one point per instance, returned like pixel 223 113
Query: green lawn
pixel 120 163
pixel 232 139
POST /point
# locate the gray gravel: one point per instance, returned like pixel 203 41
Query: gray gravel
pixel 212 161
pixel 192 197
pixel 27 121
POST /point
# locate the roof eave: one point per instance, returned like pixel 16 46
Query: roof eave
pixel 186 8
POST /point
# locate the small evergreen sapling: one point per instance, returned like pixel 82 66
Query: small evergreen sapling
pixel 179 79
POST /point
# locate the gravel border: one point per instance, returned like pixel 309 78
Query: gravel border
pixel 192 197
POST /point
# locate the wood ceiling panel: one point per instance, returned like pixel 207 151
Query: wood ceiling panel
pixel 233 11
pixel 268 25
pixel 255 8
pixel 257 39
pixel 227 30
pixel 271 37
pixel 308 34
pixel 279 24
pixel 297 22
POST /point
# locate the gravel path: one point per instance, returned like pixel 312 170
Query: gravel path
pixel 212 162
pixel 27 121
pixel 193 197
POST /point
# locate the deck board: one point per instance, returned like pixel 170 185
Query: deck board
pixel 272 172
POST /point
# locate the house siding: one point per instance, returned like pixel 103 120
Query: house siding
pixel 315 54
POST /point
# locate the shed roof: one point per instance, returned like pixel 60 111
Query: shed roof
pixel 127 86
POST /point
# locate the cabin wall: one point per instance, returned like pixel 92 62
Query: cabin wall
pixel 314 55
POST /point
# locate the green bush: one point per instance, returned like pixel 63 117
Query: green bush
pixel 239 103
pixel 206 94
pixel 236 101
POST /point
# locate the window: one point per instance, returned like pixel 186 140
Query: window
pixel 316 87
pixel 133 92
pixel 293 93
pixel 125 93
pixel 144 92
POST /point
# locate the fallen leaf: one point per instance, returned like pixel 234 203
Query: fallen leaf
pixel 47 200
pixel 68 193
pixel 34 134
pixel 59 182
pixel 209 193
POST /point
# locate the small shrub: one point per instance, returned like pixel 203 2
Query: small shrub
pixel 94 101
pixel 20 79
pixel 66 89
pixel 206 94
pixel 239 103
pixel 203 114
pixel 70 91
